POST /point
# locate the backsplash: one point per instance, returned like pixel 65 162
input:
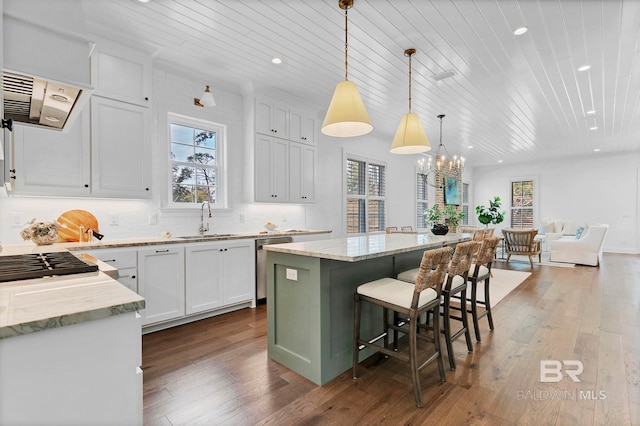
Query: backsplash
pixel 140 218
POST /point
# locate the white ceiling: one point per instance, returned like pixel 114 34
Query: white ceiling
pixel 513 98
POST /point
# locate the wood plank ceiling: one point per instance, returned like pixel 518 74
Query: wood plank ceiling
pixel 512 98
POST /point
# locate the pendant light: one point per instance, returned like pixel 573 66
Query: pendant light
pixel 410 137
pixel 346 116
pixel 206 100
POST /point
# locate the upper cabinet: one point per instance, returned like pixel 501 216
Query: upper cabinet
pixel 121 149
pixel 284 153
pixel 272 118
pixel 121 73
pixel 302 127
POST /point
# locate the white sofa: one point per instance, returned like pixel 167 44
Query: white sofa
pixel 587 250
pixel 554 229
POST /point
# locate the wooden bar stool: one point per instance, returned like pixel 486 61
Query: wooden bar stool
pixel 455 286
pixel 481 271
pixel 411 302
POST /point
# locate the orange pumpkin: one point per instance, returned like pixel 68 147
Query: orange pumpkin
pixel 70 222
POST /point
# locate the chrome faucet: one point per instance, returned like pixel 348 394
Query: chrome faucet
pixel 203 228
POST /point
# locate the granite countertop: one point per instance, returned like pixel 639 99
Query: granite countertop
pixel 150 241
pixel 354 249
pixel 29 306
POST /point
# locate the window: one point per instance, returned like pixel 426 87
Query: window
pixel 366 196
pixel 196 150
pixel 522 204
pixel 422 202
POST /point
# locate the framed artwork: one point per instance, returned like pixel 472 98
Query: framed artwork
pixel 451 190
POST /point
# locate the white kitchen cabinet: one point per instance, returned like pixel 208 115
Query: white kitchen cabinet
pixel 161 282
pixel 121 73
pixel 48 162
pixel 81 374
pixel 272 118
pixel 219 274
pixel 271 169
pixel 302 164
pixel 124 260
pixel 302 127
pixel 121 151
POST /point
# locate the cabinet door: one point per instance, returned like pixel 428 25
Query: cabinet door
pixel 203 277
pixel 53 163
pixel 239 272
pixel 128 278
pixel 272 118
pixel 121 73
pixel 121 154
pixel 271 169
pixel 124 260
pixel 302 173
pixel 161 283
pixel 302 127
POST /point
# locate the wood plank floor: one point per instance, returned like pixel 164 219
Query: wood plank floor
pixel 216 371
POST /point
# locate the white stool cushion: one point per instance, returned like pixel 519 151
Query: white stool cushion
pixel 483 270
pixel 397 292
pixel 411 275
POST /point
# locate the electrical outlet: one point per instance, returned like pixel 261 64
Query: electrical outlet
pixel 242 218
pixel 292 274
pixel 153 218
pixel 114 219
pixel 284 219
pixel 16 220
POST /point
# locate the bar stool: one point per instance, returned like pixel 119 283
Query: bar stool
pixel 481 271
pixel 455 286
pixel 411 302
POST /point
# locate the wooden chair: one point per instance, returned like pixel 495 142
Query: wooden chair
pixel 411 302
pixel 407 229
pixel 522 241
pixel 391 229
pixel 466 229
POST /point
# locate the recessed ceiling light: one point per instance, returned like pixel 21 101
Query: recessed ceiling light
pixel 584 68
pixel 143 1
pixel 593 128
pixel 52 119
pixel 276 60
pixel 592 112
pixel 520 31
pixel 499 161
pixel 596 150
pixel 470 147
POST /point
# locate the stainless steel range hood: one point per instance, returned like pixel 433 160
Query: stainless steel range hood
pixel 46 75
pixel 38 102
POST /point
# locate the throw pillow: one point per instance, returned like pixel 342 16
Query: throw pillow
pixel 579 232
pixel 548 227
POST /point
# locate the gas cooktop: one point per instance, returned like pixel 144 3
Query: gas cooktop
pixel 38 265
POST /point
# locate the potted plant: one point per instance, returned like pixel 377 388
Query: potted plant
pixel 435 217
pixel 452 217
pixel 491 214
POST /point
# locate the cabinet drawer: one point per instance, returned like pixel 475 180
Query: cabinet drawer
pixel 119 259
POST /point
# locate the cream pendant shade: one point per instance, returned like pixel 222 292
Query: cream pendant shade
pixel 207 98
pixel 410 137
pixel 346 116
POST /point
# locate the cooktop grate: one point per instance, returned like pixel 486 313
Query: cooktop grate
pixel 28 266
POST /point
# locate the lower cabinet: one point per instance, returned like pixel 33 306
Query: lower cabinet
pixel 161 282
pixel 182 280
pixel 218 274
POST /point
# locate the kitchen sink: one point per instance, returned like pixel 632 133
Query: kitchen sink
pixel 201 237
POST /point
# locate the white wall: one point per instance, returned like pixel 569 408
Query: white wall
pixel 593 189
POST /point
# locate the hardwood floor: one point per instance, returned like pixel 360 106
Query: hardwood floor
pixel 216 371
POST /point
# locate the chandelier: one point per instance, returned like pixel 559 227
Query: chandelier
pixel 442 165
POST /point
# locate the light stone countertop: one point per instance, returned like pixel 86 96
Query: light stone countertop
pixel 354 249
pixel 29 306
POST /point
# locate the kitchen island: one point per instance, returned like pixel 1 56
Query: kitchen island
pixel 310 289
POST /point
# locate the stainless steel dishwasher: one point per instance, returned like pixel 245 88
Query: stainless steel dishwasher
pixel 261 265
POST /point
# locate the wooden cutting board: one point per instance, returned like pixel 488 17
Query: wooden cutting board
pixel 70 222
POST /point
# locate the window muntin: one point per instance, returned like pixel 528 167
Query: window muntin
pixel 196 149
pixel 422 200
